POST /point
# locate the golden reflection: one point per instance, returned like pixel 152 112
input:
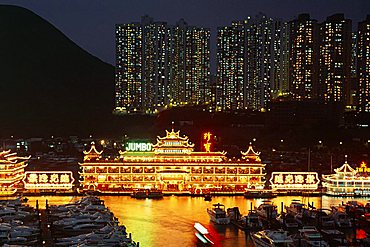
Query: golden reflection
pixel 169 221
pixel 52 200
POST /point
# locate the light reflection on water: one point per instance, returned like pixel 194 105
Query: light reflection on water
pixel 169 221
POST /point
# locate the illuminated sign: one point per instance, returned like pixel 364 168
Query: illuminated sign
pixel 138 147
pixel 207 139
pixel 363 168
pixel 48 180
pixel 294 180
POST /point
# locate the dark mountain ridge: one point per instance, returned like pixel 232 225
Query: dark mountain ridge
pixel 48 84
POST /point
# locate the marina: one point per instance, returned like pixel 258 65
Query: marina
pixel 83 222
pixel 176 215
pixel 204 197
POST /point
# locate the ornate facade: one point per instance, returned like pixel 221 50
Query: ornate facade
pixel 348 181
pixel 172 166
pixel 11 172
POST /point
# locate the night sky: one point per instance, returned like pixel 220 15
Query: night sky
pixel 90 23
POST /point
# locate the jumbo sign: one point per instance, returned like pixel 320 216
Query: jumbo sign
pixel 138 147
pixel 294 180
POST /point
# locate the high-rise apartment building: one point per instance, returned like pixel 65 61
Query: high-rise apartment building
pixel 129 86
pixel 267 61
pixel 252 63
pixel 158 65
pixel 142 66
pixel 280 41
pixel 363 64
pixel 190 65
pixel 259 62
pixel 353 98
pixel 230 89
pixel 335 59
pixel 304 62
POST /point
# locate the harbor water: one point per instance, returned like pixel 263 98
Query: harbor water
pixel 169 221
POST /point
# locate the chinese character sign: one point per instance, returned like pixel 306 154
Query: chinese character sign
pixel 294 180
pixel 207 141
pixel 48 180
pixel 363 168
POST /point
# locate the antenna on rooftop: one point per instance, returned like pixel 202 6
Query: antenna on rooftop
pixel 173 124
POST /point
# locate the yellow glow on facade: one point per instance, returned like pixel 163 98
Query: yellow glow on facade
pixel 294 180
pixel 172 165
pixel 48 180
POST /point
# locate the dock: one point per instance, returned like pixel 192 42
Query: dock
pixel 46 235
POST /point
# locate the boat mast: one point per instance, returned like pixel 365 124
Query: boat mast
pixel 331 163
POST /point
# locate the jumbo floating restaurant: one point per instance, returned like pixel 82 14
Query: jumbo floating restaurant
pixel 171 165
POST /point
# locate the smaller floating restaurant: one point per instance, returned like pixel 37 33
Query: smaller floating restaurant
pixel 347 181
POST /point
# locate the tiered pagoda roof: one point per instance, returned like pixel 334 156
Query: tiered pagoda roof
pixel 173 144
pixel 92 154
pixel 251 156
pixel 345 170
pixel 6 157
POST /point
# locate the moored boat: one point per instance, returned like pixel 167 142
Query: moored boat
pixel 217 214
pixel 208 197
pixel 252 221
pixel 310 236
pixel 295 207
pixel 341 219
pixel 269 238
pixel 146 193
pixel 267 210
pixel 250 193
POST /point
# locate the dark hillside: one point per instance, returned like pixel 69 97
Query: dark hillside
pixel 48 84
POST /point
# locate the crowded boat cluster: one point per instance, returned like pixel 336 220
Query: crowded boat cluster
pixel 298 224
pixel 19 224
pixel 87 222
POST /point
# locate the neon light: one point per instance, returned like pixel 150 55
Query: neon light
pixel 363 168
pixel 207 138
pixel 48 180
pixel 139 146
pixel 294 180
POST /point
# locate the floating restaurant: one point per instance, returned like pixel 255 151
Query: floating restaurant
pixel 11 172
pixel 171 165
pixel 347 181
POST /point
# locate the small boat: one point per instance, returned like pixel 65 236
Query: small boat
pixel 335 237
pixel 146 193
pixel 270 238
pixel 267 210
pixel 218 214
pixel 252 221
pixel 203 234
pixel 341 219
pixel 310 236
pixel 295 207
pixel 250 193
pixel 155 194
pixel 288 221
pixel 208 197
pixel 323 218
